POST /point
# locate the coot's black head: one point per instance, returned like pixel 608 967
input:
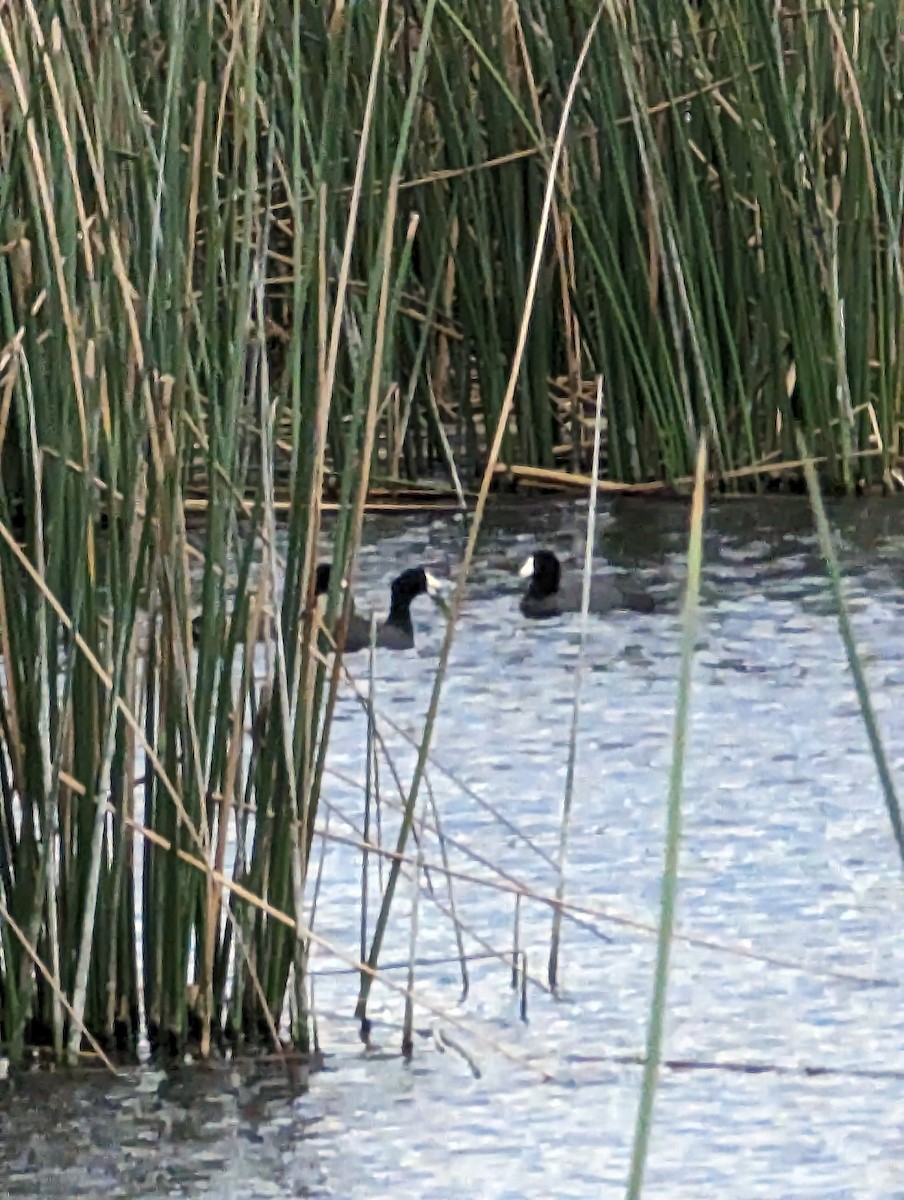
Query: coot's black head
pixel 322 579
pixel 410 584
pixel 545 573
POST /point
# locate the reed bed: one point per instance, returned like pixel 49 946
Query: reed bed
pixel 261 257
pixel 728 210
pixel 145 177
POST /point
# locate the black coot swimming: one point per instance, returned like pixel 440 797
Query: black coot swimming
pixel 548 594
pixel 397 631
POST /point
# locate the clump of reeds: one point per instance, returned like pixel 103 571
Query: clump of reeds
pixel 155 178
pixel 729 209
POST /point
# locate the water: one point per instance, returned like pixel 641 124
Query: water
pixel 787 853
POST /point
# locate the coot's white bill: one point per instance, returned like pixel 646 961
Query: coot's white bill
pixel 528 569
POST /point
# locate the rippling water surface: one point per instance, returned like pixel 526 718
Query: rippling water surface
pixel 791 900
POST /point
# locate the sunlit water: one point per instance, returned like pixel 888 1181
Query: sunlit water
pixel 787 853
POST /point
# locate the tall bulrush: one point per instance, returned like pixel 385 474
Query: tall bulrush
pixel 155 171
pixel 730 205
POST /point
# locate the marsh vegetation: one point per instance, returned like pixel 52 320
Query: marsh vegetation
pixel 261 259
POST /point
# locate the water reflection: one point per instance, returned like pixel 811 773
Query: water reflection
pixel 787 851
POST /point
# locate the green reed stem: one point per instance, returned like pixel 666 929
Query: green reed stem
pixel 656 1021
pixel 883 768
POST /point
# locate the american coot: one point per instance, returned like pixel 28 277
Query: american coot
pixel 547 595
pixel 396 632
pixel 321 588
